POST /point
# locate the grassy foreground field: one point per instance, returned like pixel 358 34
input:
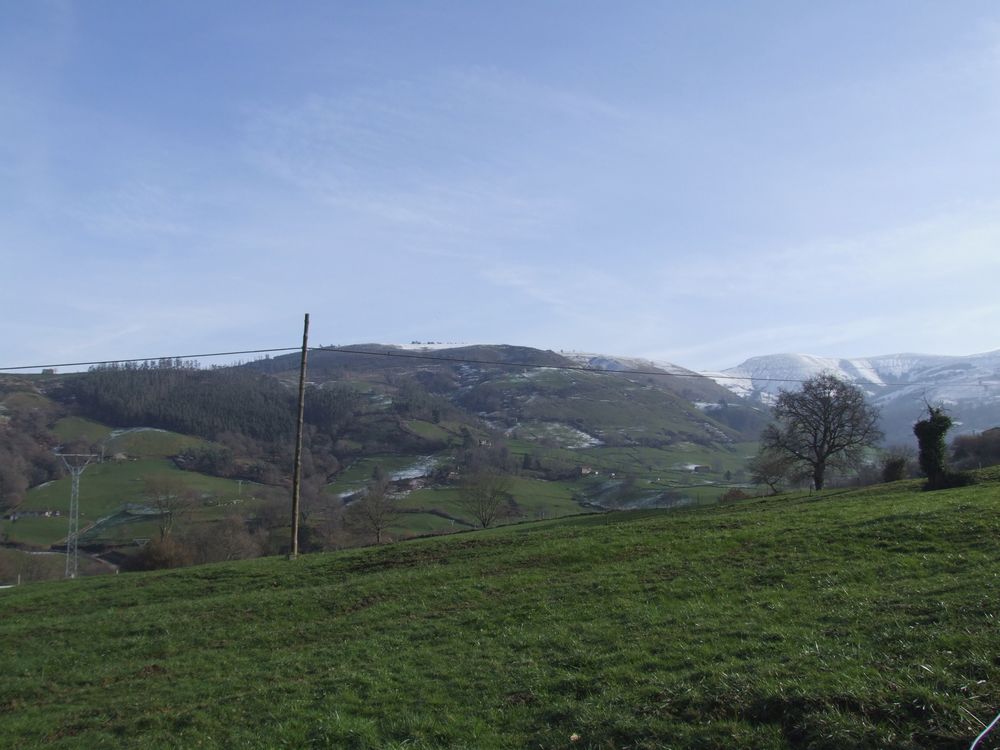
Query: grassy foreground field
pixel 863 619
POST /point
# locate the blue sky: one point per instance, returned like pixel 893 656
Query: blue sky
pixel 698 182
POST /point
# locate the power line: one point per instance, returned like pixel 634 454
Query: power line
pixel 470 361
pixel 54 365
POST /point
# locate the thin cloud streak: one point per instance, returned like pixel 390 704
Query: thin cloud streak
pixel 652 199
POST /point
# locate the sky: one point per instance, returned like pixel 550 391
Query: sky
pixel 697 182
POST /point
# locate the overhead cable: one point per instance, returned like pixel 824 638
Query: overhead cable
pixel 402 354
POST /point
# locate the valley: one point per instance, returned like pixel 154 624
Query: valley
pixel 570 441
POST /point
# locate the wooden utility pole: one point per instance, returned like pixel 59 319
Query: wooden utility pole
pixel 297 475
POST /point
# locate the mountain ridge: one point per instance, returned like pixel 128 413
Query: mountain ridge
pixel 901 385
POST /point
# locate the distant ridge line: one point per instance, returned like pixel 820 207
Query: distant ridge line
pixel 404 354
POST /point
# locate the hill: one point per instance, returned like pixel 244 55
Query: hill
pixel 899 384
pixel 863 619
pixel 571 441
pixel 490 381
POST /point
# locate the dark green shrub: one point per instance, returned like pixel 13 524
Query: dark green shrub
pixel 933 453
pixel 733 495
pixel 951 479
pixel 893 468
pixel 159 554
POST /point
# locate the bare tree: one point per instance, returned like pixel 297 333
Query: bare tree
pixel 376 510
pixel 485 495
pixel 827 421
pixel 339 529
pixel 228 539
pixel 171 498
pixel 771 468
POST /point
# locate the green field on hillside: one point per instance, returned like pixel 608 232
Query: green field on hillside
pixel 104 489
pixel 864 619
pixel 136 442
pixel 532 499
pixel 27 566
pixel 80 428
pixel 415 523
pixel 357 474
pixel 446 500
pixel 148 443
pixel 428 430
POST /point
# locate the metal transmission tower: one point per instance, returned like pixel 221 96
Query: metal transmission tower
pixel 75 463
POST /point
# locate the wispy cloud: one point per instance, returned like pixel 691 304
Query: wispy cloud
pixel 453 154
pixel 908 284
pixel 137 210
pixel 958 246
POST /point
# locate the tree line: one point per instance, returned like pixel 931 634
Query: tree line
pixel 206 403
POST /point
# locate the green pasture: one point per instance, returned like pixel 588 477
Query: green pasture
pixel 533 498
pixel 24 400
pixel 104 489
pixel 417 524
pixel 139 442
pixel 80 428
pixel 37 531
pixel 848 619
pixel 122 528
pixel 42 567
pixel 445 499
pixel 665 466
pixel 359 472
pixel 149 443
pixel 428 430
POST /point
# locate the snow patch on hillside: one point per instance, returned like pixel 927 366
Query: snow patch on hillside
pixel 614 363
pixel 423 467
pixel 566 436
pixel 430 346
pixel 127 431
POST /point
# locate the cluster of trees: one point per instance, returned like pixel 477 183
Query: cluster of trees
pixel 829 425
pixel 26 455
pixel 207 403
pixel 976 451
pixel 218 541
pixel 419 397
pixel 252 416
pixel 179 543
pixel 197 402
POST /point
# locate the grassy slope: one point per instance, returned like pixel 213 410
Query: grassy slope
pixel 41 567
pixel 531 496
pixel 80 428
pixel 864 619
pixel 104 488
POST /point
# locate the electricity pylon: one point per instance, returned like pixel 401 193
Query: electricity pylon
pixel 75 463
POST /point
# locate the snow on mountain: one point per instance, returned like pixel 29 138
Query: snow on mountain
pixel 884 374
pixel 900 384
pixel 614 363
